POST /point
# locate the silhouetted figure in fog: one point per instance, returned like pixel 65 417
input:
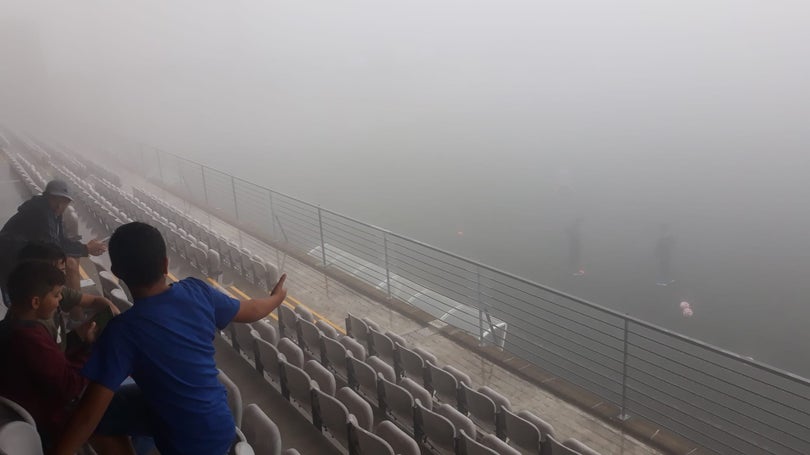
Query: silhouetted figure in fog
pixel 574 233
pixel 663 255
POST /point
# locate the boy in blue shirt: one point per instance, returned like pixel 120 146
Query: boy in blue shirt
pixel 165 342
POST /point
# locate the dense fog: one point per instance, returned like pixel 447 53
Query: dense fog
pixel 527 135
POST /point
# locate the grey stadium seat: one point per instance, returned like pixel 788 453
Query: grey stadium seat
pixel 19 437
pixel 481 408
pixel 579 447
pixel 364 379
pixel 234 397
pixel 469 446
pixel 267 331
pixel 500 447
pixel 417 391
pixel 357 406
pixel 383 346
pixel 120 300
pixel 398 403
pixel 438 432
pixel 385 369
pixel 353 346
pixel 412 364
pixel 244 340
pixel 444 384
pixel 288 322
pixel 551 446
pixel 291 351
pixel 319 374
pixel 260 431
pixel 299 386
pixel 521 433
pixel 371 444
pixel 459 420
pixel 335 417
pixel 327 330
pixel 310 338
pixel 544 427
pixel 400 441
pixel 268 361
pixel 108 283
pixel 358 329
pixel 336 356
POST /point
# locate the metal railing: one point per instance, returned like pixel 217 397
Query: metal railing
pixel 721 401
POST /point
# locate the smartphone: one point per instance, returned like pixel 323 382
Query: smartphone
pixel 102 318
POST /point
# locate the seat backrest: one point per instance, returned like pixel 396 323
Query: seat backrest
pixel 310 337
pixel 291 451
pixel 287 321
pixel 371 444
pixel 438 431
pixel 544 427
pixel 234 397
pixel 357 329
pixel 383 346
pixel 353 346
pixel 319 374
pixel 294 354
pixel 108 283
pixel 385 369
pixel 411 363
pixel 551 446
pixel 520 433
pixel 304 313
pixel 335 355
pixel 364 377
pixel 481 408
pixel 398 403
pixel 417 392
pixel 260 431
pixel 469 446
pixel 326 329
pixel 11 411
pixel 243 338
pixel 579 447
pixel 300 386
pixel 334 416
pixel 268 359
pixel 500 447
pixel 444 384
pixel 460 376
pixel 460 421
pixel 357 406
pixel 267 331
pixel 19 437
pixel 120 300
pixel 500 400
pixel 401 442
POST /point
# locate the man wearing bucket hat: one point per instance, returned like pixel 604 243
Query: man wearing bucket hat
pixel 40 219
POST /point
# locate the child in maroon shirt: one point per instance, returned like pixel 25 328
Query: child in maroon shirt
pixel 36 374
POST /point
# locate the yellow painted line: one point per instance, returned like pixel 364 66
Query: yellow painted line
pixel 319 316
pixel 83 273
pixel 218 286
pixel 245 296
pixel 239 291
pixel 172 277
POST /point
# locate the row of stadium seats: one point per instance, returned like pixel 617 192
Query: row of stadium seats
pixel 435 407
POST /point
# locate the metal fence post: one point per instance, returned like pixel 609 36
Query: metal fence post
pixel 480 307
pixel 387 270
pixel 235 204
pixel 160 167
pixel 272 215
pixel 205 194
pixel 323 245
pixel 624 416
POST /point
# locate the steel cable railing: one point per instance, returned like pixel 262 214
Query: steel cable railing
pixel 725 402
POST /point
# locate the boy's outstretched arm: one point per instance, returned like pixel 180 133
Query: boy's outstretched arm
pixel 84 420
pixel 255 309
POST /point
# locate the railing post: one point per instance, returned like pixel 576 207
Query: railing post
pixel 323 245
pixel 235 204
pixel 623 416
pixel 160 167
pixel 387 270
pixel 272 215
pixel 480 307
pixel 208 208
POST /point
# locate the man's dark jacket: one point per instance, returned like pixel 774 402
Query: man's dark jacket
pixel 34 221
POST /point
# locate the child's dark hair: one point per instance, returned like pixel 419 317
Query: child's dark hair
pixel 33 279
pixel 137 252
pixel 41 251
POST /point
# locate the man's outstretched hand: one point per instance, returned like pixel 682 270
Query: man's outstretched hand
pixel 96 247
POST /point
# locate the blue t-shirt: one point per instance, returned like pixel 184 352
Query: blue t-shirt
pixel 165 342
